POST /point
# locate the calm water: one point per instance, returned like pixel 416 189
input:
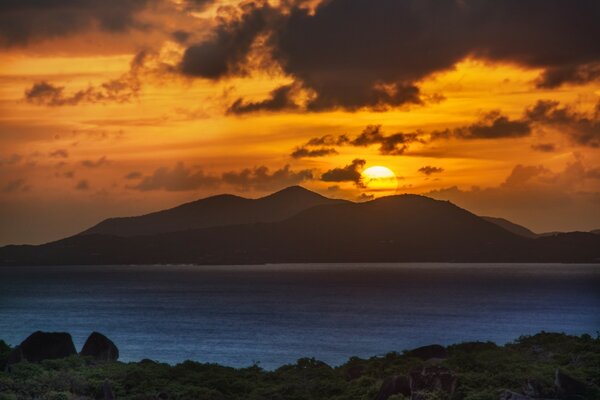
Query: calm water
pixel 275 314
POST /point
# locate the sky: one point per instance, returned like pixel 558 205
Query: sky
pixel 123 107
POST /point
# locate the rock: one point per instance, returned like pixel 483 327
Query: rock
pixel 510 395
pixel 427 352
pixel 41 346
pixel 106 392
pixel 569 387
pixel 394 385
pixel 432 379
pixel 100 348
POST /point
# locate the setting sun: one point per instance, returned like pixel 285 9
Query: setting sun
pixel 380 178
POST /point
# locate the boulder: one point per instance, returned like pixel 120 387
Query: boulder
pixel 569 387
pixel 395 385
pixel 100 348
pixel 41 346
pixel 106 392
pixel 428 352
pixel 432 379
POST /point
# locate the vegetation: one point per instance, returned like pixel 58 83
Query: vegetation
pixel 483 369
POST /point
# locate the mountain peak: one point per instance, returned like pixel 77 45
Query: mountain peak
pixel 294 191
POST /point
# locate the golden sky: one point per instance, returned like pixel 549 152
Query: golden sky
pixel 126 108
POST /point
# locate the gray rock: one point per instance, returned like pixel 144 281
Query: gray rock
pixel 41 346
pixel 100 348
pixel 432 379
pixel 428 352
pixel 394 385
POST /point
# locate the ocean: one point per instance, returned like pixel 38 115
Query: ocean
pixel 272 315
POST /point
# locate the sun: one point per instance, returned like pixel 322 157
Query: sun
pixel 379 178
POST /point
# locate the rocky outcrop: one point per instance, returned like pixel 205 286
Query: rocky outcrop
pixel 41 346
pixel 432 379
pixel 568 387
pixel 394 385
pixel 429 352
pixel 100 348
pixel 106 392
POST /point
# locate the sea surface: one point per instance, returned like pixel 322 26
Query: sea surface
pixel 275 314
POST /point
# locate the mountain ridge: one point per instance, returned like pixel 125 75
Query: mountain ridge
pixel 400 228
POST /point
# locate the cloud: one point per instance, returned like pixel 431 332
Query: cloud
pixel 304 152
pixel 95 163
pixel 278 100
pixel 392 45
pixel 182 178
pixel 11 160
pixel 260 178
pixel 15 185
pixel 82 185
pixel 25 21
pixel 429 170
pixel 544 147
pixel 133 175
pixel 539 198
pixel 59 153
pixel 178 178
pixel 394 144
pixel 582 129
pixel 349 173
pixel 492 125
pixel 121 90
pixel 225 52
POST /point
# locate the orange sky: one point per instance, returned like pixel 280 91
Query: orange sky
pixel 164 137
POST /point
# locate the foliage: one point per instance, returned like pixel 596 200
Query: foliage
pixel 482 368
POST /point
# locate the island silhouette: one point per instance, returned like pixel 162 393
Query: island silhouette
pixel 300 226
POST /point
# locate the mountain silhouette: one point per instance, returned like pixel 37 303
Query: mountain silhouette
pixel 225 209
pixel 512 227
pixel 403 228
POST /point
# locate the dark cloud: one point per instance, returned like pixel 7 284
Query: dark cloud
pixel 394 144
pixel 178 178
pixel 181 36
pixel 328 140
pixel 59 153
pixel 25 21
pixel 582 129
pixel 261 178
pixel 574 74
pixel 82 185
pixel 11 160
pixel 95 163
pixel 182 178
pixel 373 53
pixel 278 100
pixel 304 152
pixel 226 51
pixel 544 147
pixel 134 175
pixel 15 185
pixel 429 170
pixel 349 173
pixel 121 90
pixel 492 125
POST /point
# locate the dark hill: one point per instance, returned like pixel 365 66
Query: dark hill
pixel 218 210
pixel 512 227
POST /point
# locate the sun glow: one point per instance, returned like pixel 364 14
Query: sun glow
pixel 379 178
